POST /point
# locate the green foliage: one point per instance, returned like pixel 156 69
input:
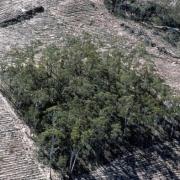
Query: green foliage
pixel 79 102
pixel 160 13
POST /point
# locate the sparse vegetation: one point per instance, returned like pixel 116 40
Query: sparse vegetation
pixel 150 11
pixel 82 102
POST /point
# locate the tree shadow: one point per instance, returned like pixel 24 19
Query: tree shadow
pixel 155 162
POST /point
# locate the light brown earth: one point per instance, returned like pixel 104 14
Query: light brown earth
pixel 17 159
pixel 60 19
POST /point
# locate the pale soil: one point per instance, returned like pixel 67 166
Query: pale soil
pixel 17 150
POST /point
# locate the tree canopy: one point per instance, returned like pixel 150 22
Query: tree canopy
pixel 81 101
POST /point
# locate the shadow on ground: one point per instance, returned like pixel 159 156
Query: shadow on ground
pixel 156 162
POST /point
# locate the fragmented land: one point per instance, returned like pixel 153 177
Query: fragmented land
pixel 50 21
pixel 58 19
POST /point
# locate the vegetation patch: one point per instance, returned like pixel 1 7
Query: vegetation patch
pixel 83 103
pixel 160 14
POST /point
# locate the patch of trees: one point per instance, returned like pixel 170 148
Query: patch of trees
pixel 147 11
pixel 81 102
